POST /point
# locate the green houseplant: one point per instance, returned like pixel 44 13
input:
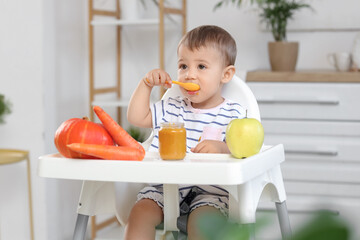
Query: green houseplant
pixel 5 108
pixel 136 133
pixel 323 225
pixel 276 14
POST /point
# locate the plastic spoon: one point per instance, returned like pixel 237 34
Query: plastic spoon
pixel 188 86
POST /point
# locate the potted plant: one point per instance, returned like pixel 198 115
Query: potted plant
pixel 4 108
pixel 276 13
pixel 323 225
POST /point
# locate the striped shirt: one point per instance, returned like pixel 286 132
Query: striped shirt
pixel 200 124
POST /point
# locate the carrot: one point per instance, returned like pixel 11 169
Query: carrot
pixel 107 151
pixel 120 136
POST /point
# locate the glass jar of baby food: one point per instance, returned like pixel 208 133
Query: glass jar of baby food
pixel 172 141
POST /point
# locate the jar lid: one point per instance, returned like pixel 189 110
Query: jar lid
pixel 172 125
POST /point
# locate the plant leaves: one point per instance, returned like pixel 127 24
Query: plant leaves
pixel 324 226
pixel 5 108
pixel 275 13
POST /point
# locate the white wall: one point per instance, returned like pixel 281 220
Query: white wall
pixel 21 80
pixel 243 24
pixel 42 62
pixel 43 48
pixel 65 97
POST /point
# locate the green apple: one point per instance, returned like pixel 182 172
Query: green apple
pixel 244 137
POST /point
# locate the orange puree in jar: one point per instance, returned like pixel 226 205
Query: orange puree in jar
pixel 172 141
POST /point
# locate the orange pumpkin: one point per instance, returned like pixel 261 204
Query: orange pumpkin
pixel 76 130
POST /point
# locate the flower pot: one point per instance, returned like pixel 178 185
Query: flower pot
pixel 283 55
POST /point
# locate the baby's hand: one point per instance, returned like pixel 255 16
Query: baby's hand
pixel 157 77
pixel 211 146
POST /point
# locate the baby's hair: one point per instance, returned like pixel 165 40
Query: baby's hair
pixel 209 35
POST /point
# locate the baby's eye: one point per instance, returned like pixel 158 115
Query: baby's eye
pixel 201 66
pixel 182 66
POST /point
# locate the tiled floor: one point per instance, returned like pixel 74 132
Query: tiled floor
pixel 115 232
pixel 270 231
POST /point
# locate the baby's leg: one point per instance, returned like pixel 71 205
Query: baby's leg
pixel 192 224
pixel 144 217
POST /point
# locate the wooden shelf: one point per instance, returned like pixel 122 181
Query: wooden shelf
pixel 113 19
pixel 303 76
pixel 134 22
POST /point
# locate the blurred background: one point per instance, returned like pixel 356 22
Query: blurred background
pixel 44 73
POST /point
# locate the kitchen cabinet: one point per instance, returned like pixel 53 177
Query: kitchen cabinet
pixel 316 115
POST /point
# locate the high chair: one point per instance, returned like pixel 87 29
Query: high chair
pixel 245 179
pixel 9 156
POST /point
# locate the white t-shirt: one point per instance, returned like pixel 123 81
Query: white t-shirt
pixel 205 123
pixel 200 124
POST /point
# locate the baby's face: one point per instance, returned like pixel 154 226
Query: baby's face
pixel 204 67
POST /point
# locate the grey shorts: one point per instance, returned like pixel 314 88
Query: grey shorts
pixel 194 196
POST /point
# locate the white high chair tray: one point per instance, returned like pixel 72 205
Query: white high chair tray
pixel 219 169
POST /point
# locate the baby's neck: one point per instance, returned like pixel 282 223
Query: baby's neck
pixel 208 105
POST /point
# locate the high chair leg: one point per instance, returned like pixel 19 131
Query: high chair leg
pixel 80 227
pixel 284 221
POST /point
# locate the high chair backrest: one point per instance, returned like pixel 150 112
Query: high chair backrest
pixel 236 90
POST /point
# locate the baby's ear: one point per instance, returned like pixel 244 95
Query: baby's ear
pixel 228 74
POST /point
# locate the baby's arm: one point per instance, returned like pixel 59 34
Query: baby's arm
pixel 139 113
pixel 211 146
